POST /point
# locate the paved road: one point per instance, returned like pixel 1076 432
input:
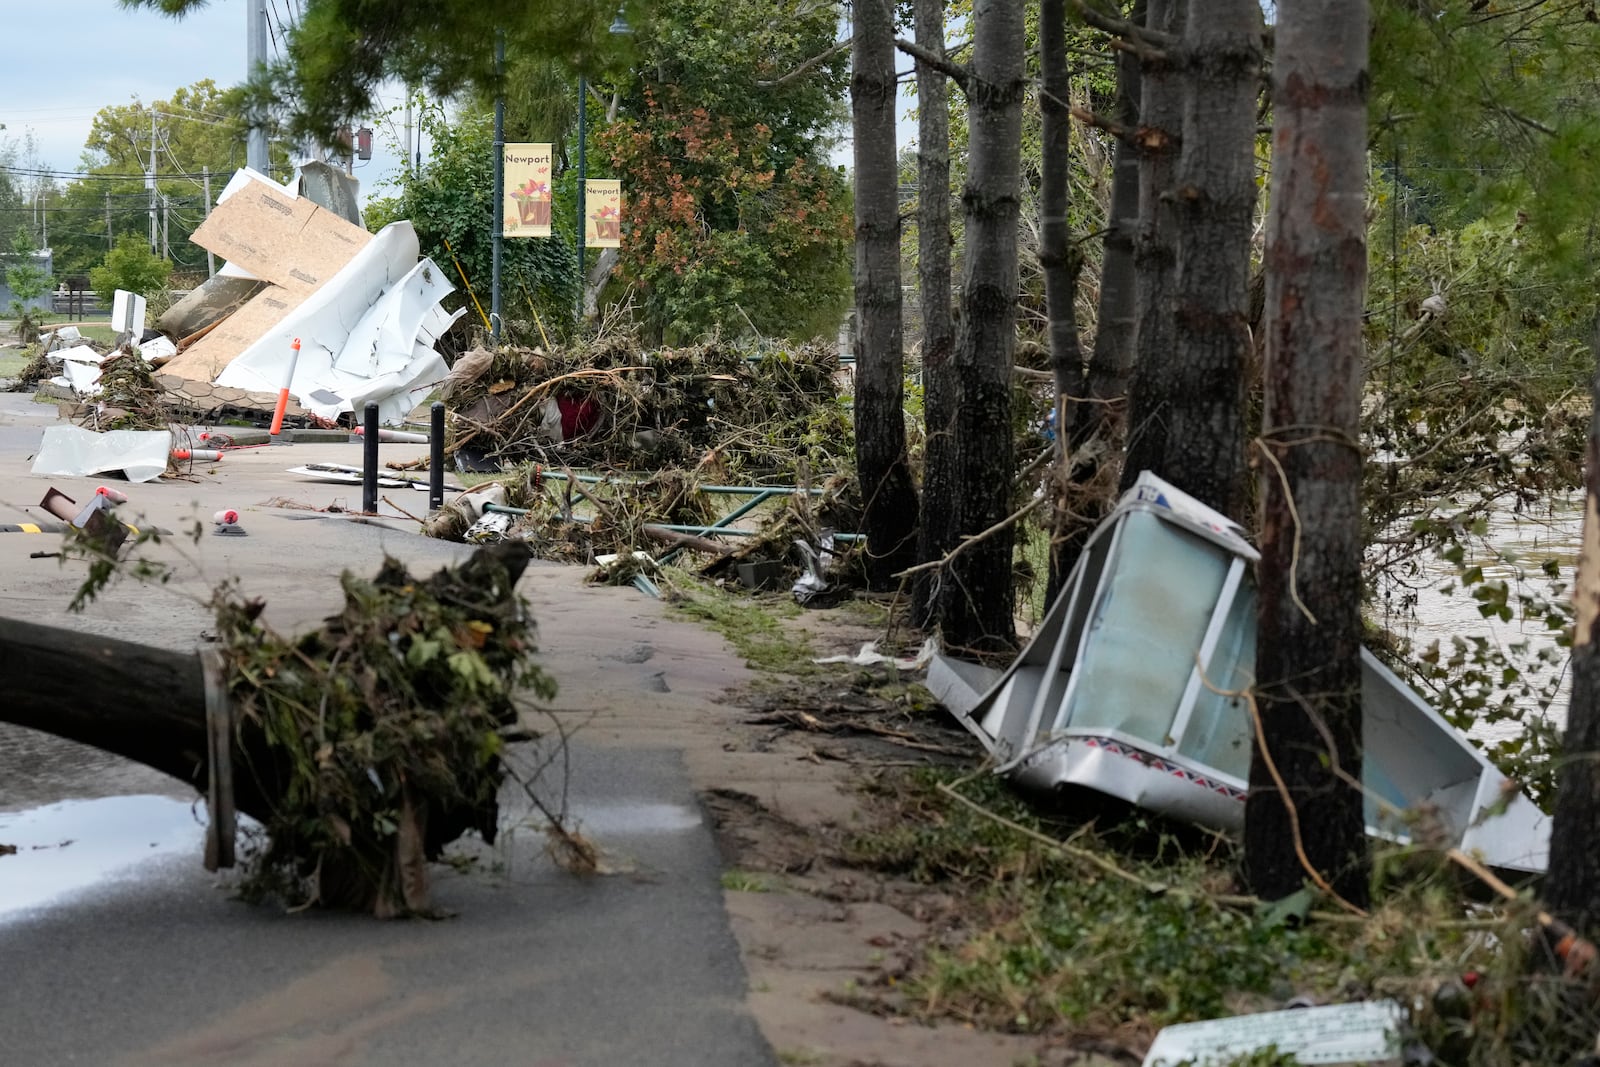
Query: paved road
pixel 118 948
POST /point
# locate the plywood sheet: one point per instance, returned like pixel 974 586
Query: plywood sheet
pixel 204 360
pixel 286 240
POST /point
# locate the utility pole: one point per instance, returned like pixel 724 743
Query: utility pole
pixel 408 127
pixel 110 240
pixel 150 179
pixel 499 190
pixel 255 154
pixel 44 217
pixel 583 177
pixel 166 213
pixel 205 185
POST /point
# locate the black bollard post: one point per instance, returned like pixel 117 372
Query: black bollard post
pixel 369 461
pixel 436 457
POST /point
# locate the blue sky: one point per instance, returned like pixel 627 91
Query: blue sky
pixel 67 59
pixel 70 58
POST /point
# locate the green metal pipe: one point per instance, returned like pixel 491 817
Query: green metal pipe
pixel 727 490
pixel 700 531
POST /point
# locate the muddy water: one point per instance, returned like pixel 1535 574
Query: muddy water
pixel 1513 550
pixel 122 820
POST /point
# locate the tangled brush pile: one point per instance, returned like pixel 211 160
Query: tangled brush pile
pixel 369 744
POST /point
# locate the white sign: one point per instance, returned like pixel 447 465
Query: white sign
pixel 1367 1032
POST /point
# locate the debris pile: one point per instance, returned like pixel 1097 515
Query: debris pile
pixel 378 737
pixel 726 411
pixel 624 523
pixel 364 309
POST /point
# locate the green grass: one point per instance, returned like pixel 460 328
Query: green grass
pixel 739 881
pixel 97 332
pixel 751 626
pixel 1139 928
pixel 12 362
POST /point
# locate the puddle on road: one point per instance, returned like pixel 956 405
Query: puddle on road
pixel 634 818
pixel 68 848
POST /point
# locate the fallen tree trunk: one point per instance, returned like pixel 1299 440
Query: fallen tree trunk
pixel 144 704
pixel 363 747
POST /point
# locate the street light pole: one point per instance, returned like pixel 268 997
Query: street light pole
pixel 255 146
pixel 583 173
pixel 619 28
pixel 499 188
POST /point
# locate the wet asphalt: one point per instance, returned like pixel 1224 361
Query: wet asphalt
pixel 117 947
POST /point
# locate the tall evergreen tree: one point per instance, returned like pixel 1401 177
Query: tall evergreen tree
pixel 1091 419
pixel 1155 249
pixel 938 527
pixel 978 598
pixel 1572 887
pixel 1059 258
pixel 1304 810
pixel 1213 199
pixel 890 516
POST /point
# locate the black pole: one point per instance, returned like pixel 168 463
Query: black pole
pixel 583 177
pixel 499 190
pixel 369 461
pixel 436 458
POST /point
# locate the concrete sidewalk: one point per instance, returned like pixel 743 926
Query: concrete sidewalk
pixel 146 959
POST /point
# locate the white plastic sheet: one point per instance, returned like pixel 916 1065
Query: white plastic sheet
pixel 1363 1032
pixel 366 334
pixel 74 452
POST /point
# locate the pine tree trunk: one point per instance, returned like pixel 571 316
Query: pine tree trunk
pixel 1309 635
pixel 976 605
pixel 1061 262
pixel 881 465
pixel 1572 885
pixel 1155 251
pixel 1092 420
pixel 1214 207
pixel 939 525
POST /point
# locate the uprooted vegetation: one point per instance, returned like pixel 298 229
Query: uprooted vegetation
pixel 1096 935
pixel 371 743
pixel 724 410
pixel 1092 924
pixel 686 441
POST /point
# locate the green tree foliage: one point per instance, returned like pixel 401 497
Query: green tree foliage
pixel 342 50
pixel 27 281
pixel 1481 306
pixel 131 266
pixel 24 277
pixel 719 141
pixel 200 126
pixel 18 164
pixel 451 204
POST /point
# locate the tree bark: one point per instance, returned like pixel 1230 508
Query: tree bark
pixel 1309 636
pixel 938 528
pixel 1572 885
pixel 1214 208
pixel 1092 417
pixel 890 514
pixel 1061 262
pixel 144 704
pixel 978 597
pixel 1155 250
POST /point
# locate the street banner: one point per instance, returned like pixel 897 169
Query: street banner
pixel 527 190
pixel 603 202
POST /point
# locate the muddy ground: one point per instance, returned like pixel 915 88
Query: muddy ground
pixel 787 778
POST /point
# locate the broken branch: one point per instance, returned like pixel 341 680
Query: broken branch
pixel 941 63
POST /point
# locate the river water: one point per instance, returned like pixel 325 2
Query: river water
pixel 1513 550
